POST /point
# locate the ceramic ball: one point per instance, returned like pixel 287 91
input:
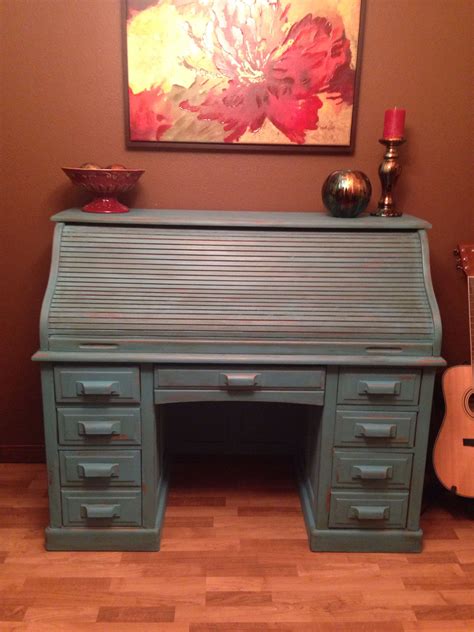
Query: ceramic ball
pixel 346 193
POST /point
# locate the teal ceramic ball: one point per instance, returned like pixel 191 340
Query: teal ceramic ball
pixel 346 193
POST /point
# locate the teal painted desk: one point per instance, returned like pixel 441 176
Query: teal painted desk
pixel 152 308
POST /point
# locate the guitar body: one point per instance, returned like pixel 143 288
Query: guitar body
pixel 453 455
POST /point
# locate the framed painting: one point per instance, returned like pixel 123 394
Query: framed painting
pixel 266 75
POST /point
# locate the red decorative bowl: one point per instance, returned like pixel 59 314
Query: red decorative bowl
pixel 106 184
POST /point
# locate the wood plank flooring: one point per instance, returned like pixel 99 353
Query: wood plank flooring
pixel 234 558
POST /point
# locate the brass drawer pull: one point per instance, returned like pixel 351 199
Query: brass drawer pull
pixel 97 387
pixel 100 511
pixel 98 428
pixel 379 387
pixel 372 472
pixel 362 512
pixel 375 431
pixel 244 381
pixel 98 470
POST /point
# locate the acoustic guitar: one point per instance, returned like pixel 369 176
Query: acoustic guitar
pixel 453 455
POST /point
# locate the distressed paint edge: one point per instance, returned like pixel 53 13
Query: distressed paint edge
pixel 50 288
pixel 214 359
pixel 244 219
pixel 435 313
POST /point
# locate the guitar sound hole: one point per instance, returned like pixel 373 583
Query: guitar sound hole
pixel 470 403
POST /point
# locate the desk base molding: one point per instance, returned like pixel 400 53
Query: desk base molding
pixel 365 541
pixel 118 539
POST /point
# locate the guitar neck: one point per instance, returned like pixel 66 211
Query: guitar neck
pixel 465 262
pixel 470 293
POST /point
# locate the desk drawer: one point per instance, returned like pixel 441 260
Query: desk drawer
pixel 375 428
pixel 99 426
pixel 379 387
pixel 101 508
pixel 97 384
pixel 368 470
pixel 239 378
pixel 115 467
pixel 368 510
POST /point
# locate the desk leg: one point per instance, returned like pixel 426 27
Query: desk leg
pixel 421 447
pixel 154 478
pixel 315 475
pixel 50 435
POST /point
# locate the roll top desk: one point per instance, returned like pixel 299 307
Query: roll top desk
pixel 151 308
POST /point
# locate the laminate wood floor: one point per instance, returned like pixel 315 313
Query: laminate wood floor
pixel 234 558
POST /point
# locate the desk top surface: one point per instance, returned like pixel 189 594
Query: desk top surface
pixel 242 219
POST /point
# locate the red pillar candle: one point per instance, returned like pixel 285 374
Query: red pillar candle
pixel 394 123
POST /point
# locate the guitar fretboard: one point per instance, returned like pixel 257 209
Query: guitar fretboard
pixel 465 253
pixel 470 286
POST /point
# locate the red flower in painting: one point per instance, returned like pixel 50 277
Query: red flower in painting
pixel 277 77
pixel 150 115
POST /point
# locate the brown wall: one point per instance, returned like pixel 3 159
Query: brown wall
pixel 62 104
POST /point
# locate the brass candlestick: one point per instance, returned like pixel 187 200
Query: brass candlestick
pixel 389 171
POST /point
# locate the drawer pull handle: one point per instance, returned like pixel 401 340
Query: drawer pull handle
pixel 242 381
pixel 372 472
pixel 379 387
pixel 376 431
pixel 98 470
pixel 100 511
pixel 96 387
pixel 99 428
pixel 362 512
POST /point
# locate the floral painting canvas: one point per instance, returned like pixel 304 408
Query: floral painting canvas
pixel 242 74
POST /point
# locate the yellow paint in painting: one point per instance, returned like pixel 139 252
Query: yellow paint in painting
pixel 350 12
pixel 161 50
pixel 158 41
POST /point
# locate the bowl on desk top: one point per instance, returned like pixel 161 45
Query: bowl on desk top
pixel 105 184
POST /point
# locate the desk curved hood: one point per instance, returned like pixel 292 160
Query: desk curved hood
pixel 180 287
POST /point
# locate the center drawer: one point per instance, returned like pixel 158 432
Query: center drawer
pixel 239 383
pixel 239 378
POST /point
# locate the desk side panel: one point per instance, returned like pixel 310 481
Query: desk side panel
pixel 51 444
pixel 436 316
pixel 152 449
pixel 51 287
